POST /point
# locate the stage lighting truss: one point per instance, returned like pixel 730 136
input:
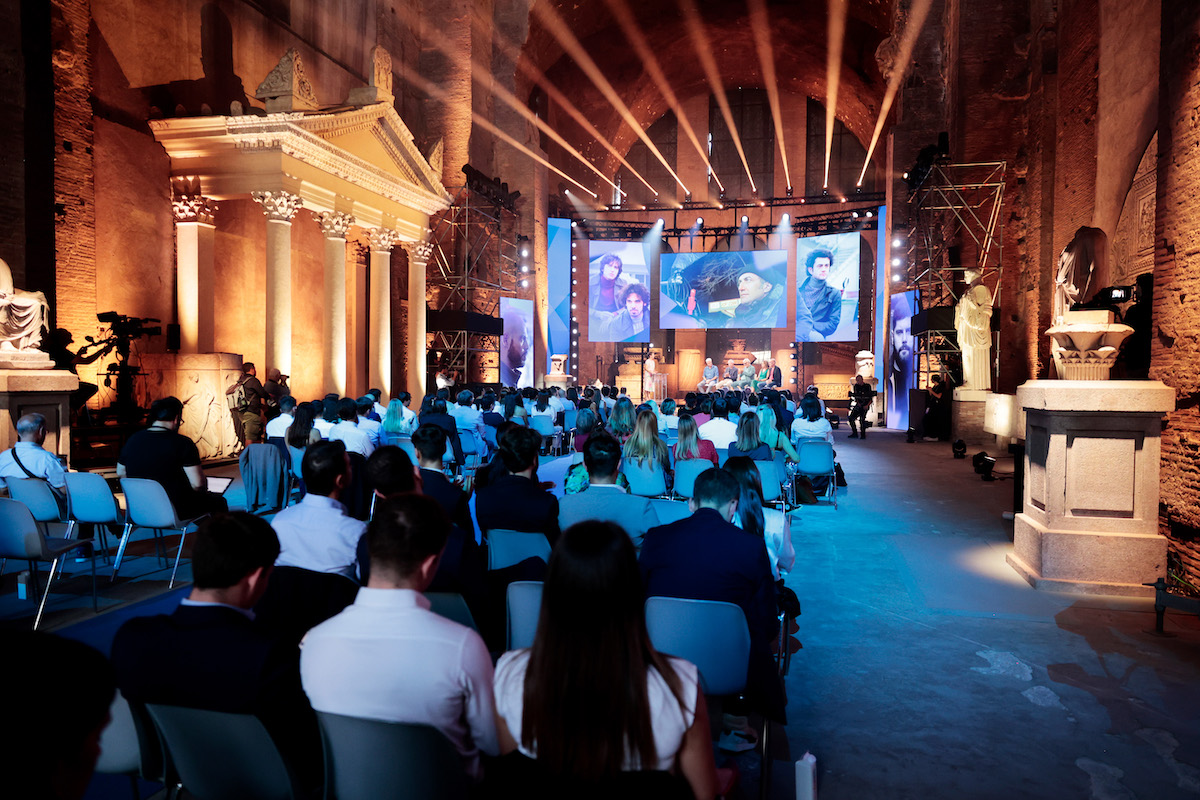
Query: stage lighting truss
pixel 953 206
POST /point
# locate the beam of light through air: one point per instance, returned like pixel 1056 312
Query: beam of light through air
pixel 833 71
pixel 760 24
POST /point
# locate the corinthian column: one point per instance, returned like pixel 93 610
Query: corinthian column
pixel 419 254
pixel 379 313
pixel 194 234
pixel 279 207
pixel 333 332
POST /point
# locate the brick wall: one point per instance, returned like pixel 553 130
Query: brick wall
pixel 1175 349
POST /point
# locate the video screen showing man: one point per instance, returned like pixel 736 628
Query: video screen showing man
pixel 516 354
pixel 827 291
pixel 901 359
pixel 613 314
pixel 632 322
pixel 734 289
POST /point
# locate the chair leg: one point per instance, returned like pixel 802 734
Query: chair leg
pixel 182 537
pixel 95 603
pixel 3 562
pixel 765 768
pixel 41 606
pixel 121 549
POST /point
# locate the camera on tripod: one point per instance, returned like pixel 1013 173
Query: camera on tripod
pixel 124 327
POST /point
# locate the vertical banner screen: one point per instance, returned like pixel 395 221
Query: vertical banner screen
pixel 827 270
pixel 618 293
pixel 516 348
pixel 902 358
pixel 730 289
pixel 558 296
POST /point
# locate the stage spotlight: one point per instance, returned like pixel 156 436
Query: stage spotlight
pixel 897 242
pixel 960 448
pixel 786 217
pixel 700 222
pixel 870 214
pixel 524 284
pixel 896 279
pixel 854 214
pixel 574 224
pixel 524 268
pixel 983 464
pixel 896 262
pixel 566 191
pixel 745 219
pixel 660 222
pixel 789 191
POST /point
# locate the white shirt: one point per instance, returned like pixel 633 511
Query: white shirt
pixel 279 425
pixel 373 430
pixel 381 410
pixel 668 720
pixel 721 432
pixel 356 440
pixel 317 534
pixel 323 427
pixel 38 460
pixel 803 429
pixel 388 657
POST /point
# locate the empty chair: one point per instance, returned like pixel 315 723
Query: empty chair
pixel 506 547
pixel 129 745
pixel 489 434
pixel 474 449
pixel 21 537
pixel 405 444
pixel 686 472
pixel 816 459
pixel 369 759
pixel 722 456
pixel 569 418
pixel 90 501
pixel 771 481
pixel 646 479
pixel 148 506
pixel 222 756
pixel 41 501
pixel 453 607
pixel 669 511
pixel 524 607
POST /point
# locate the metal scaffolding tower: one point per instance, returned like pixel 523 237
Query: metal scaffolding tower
pixel 955 218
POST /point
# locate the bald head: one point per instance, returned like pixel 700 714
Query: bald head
pixel 32 428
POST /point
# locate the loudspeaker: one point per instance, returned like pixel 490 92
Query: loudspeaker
pixel 938 318
pixel 810 353
pixel 174 337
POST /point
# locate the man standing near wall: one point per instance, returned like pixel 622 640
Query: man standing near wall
pixel 249 410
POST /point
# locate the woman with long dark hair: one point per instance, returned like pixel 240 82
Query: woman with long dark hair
pixel 754 516
pixel 592 698
pixel 622 420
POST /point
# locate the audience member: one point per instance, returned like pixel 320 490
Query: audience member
pixel 811 422
pixel 299 435
pixel 690 445
pixel 603 499
pixel 586 425
pixel 466 415
pixel 28 459
pixel 719 430
pixel 488 413
pixel 378 409
pixel 748 442
pixel 317 534
pixel 592 698
pixel 770 432
pixel 389 657
pixel 670 421
pixel 437 414
pixel 646 448
pixel 515 501
pixel 754 516
pixel 543 408
pixel 622 420
pixel 162 454
pixel 372 428
pixel 429 442
pixel 278 426
pixel 348 432
pixel 329 415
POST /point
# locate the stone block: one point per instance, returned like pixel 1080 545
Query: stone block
pixel 42 391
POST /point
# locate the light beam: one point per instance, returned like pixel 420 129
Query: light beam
pixel 761 26
pixel 833 71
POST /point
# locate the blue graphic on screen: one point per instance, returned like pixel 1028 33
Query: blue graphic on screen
pixel 902 358
pixel 558 293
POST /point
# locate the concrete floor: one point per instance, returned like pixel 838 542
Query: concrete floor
pixel 930 669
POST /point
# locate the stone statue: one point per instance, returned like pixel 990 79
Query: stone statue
pixel 206 419
pixel 1084 256
pixel 864 364
pixel 22 319
pixel 973 322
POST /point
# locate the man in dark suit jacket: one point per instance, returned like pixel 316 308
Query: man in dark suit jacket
pixel 437 415
pixel 209 653
pixel 516 501
pixel 429 441
pixel 706 557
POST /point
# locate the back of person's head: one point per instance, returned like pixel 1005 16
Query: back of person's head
pixel 715 488
pixel 329 412
pixel 229 546
pixel 813 390
pixel 706 404
pixel 602 455
pixel 519 448
pixel 585 421
pixel 364 405
pixel 586 699
pixel 543 400
pixel 301 428
pixel 54 753
pixel 748 432
pixel 668 407
pixel 248 367
pixel 404 531
pixel 348 409
pixel 404 397
pixel 376 394
pixel 324 462
pixel 287 404
pixel 720 408
pixel 442 394
pixel 393 420
pixel 465 397
pixel 750 496
pixel 687 445
pixel 439 405
pixel 165 409
pixel 605 391
pixel 487 402
pixel 31 424
pixel 430 442
pixel 810 408
pixel 622 419
pixel 767 419
pixel 389 471
pixel 529 393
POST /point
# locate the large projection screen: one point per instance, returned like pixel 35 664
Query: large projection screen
pixel 729 289
pixel 516 342
pixel 558 295
pixel 618 295
pixel 902 358
pixel 827 270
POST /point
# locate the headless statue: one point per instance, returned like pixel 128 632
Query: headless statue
pixel 22 314
pixel 1080 260
pixel 973 323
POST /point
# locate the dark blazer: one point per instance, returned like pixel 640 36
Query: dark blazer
pixel 448 424
pixel 216 658
pixel 451 498
pixel 516 503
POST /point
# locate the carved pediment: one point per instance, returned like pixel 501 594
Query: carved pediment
pixel 287 88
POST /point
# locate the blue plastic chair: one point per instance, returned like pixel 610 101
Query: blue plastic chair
pixel 524 608
pixel 147 506
pixel 646 479
pixel 506 547
pixel 816 459
pixel 90 501
pixel 772 483
pixel 711 634
pixel 41 501
pixel 669 511
pixel 453 607
pixel 686 472
pixel 543 425
pixel 21 537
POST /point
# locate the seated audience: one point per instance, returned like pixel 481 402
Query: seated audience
pixel 329 415
pixel 491 417
pixel 429 442
pixel 771 434
pixel 754 516
pixel 669 421
pixel 299 435
pixel 622 419
pixel 810 423
pixel 371 427
pixel 210 653
pixel 279 425
pixel 348 432
pixel 378 410
pixel 515 501
pixel 748 442
pixel 707 557
pixel 162 454
pixel 646 448
pixel 317 534
pixel 466 415
pixel 690 445
pixel 388 656
pixel 603 499
pixel 592 698
pixel 587 424
pixel 28 459
pixel 719 430
pixel 542 407
pixel 437 414
pixel 399 419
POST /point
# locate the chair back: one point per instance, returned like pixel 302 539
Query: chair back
pixel 722 456
pixel 506 547
pixel 281 445
pixel 298 599
pixel 569 417
pixel 686 472
pixel 357 496
pixel 19 533
pixel 711 634
pixel 90 499
pixel 524 608
pixel 669 511
pixel 404 443
pixel 222 756
pixel 815 457
pixel 120 749
pixel 38 497
pixel 771 482
pixel 147 504
pixel 367 759
pixel 489 434
pixel 453 607
pixel 646 479
pixel 542 424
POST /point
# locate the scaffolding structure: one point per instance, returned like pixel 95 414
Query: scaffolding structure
pixel 955 218
pixel 473 263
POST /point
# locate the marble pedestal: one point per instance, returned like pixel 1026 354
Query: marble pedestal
pixel 1090 518
pixel 45 391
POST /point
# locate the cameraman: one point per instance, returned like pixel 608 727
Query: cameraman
pixel 250 412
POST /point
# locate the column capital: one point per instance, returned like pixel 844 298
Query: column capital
pixel 419 252
pixel 382 240
pixel 334 224
pixel 194 208
pixel 278 206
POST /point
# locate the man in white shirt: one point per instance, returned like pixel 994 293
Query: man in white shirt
pixel 37 462
pixel 389 657
pixel 278 426
pixel 467 416
pixel 719 430
pixel 407 414
pixel 347 430
pixel 603 499
pixel 376 403
pixel 373 429
pixel 317 534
